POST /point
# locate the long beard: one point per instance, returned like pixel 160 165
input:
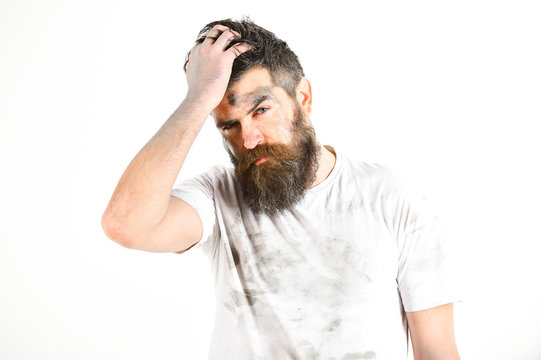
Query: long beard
pixel 281 182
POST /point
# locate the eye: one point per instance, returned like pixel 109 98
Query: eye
pixel 228 125
pixel 261 110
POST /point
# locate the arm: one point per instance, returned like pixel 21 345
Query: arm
pixel 432 333
pixel 141 213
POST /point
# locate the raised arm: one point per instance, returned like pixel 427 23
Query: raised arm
pixel 141 213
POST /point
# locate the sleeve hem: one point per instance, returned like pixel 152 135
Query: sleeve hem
pixel 201 210
pixel 428 304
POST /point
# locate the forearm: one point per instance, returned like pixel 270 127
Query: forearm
pixel 141 197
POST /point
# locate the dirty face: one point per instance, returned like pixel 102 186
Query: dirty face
pixel 270 142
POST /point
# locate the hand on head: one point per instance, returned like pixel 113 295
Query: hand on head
pixel 209 66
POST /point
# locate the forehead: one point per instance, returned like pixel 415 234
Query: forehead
pixel 238 99
pixel 250 81
pixel 254 85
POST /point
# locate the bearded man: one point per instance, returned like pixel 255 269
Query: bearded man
pixel 315 255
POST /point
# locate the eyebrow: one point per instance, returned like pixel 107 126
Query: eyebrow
pixel 255 103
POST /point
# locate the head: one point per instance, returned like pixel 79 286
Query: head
pixel 267 51
pixel 264 121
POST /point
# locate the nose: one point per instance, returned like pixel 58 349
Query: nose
pixel 252 136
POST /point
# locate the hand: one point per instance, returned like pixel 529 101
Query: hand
pixel 209 66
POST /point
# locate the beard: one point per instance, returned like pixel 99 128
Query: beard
pixel 279 183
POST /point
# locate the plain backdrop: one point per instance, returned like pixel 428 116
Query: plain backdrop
pixel 445 93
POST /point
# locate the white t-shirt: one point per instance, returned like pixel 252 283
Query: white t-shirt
pixel 329 279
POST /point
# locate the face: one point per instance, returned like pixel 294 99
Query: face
pixel 270 142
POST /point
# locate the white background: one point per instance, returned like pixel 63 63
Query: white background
pixel 446 93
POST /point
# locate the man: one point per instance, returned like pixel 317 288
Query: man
pixel 315 256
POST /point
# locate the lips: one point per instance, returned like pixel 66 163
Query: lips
pixel 261 161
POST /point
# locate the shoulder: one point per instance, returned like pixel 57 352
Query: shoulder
pixel 216 173
pixel 371 174
pixel 212 178
pixel 391 186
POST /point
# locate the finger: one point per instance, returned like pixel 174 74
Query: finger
pixel 238 49
pixel 212 34
pixel 224 39
pixel 220 29
pixel 235 32
pixel 190 55
pixel 187 60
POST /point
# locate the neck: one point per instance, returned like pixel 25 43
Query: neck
pixel 327 160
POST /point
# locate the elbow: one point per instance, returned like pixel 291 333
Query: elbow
pixel 115 230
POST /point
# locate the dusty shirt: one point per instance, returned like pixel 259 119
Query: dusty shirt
pixel 331 278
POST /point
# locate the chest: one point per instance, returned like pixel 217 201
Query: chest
pixel 340 251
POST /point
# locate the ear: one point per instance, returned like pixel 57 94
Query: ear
pixel 304 96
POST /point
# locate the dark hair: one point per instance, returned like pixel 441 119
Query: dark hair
pixel 267 51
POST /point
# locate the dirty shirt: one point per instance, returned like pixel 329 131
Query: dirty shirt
pixel 330 279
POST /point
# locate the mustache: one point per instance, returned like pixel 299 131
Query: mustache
pixel 264 151
pixel 280 153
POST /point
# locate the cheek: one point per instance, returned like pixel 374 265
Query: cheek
pixel 231 147
pixel 280 126
pixel 284 128
pixel 232 138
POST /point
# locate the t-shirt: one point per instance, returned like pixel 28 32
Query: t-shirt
pixel 330 279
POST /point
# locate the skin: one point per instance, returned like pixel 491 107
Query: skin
pixel 432 333
pixel 143 215
pixel 254 111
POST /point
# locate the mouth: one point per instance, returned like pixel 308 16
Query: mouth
pixel 260 161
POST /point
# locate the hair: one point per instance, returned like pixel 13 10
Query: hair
pixel 266 51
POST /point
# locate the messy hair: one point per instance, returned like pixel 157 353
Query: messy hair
pixel 266 51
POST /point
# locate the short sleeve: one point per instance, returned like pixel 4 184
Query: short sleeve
pixel 198 192
pixel 427 273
